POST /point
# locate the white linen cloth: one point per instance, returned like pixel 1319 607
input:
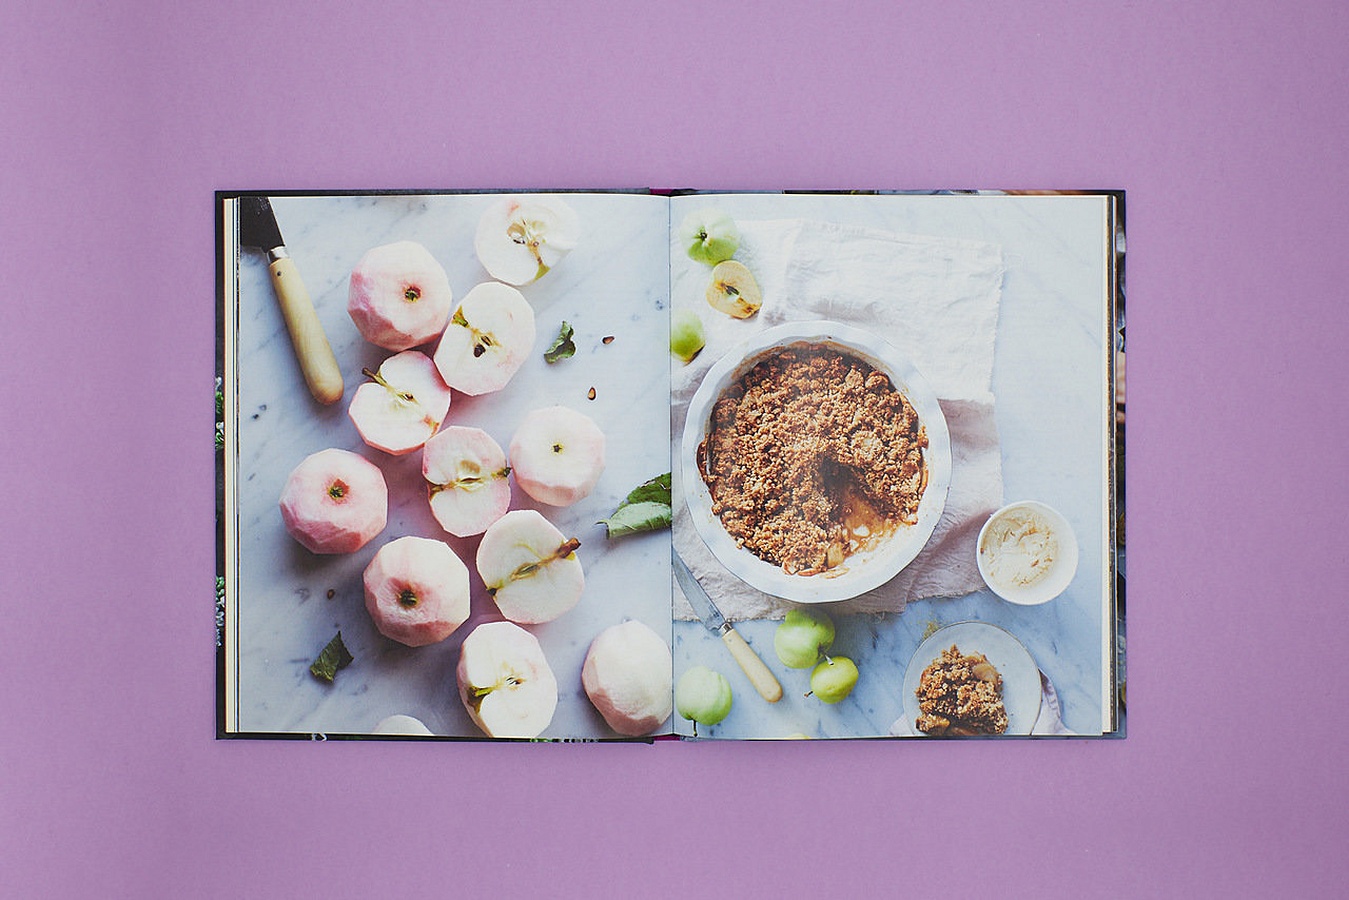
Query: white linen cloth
pixel 936 300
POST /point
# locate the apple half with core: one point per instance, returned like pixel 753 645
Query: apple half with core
pixel 520 238
pixel 466 479
pixel 335 501
pixel 505 682
pixel 557 455
pixel 703 696
pixel 833 679
pixel 399 296
pixel 802 636
pixel 709 236
pixel 487 339
pixel 627 676
pixel 529 568
pixel 734 291
pixel 401 405
pixel 416 591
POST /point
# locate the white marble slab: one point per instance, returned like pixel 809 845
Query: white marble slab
pixel 291 602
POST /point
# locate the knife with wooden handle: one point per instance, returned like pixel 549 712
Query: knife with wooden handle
pixel 759 674
pixel 258 229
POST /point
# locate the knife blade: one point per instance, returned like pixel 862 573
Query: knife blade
pixel 759 674
pixel 258 230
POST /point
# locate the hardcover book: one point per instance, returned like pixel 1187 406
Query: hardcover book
pixel 626 465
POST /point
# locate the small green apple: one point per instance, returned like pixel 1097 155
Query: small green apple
pixel 709 236
pixel 802 636
pixel 833 679
pixel 686 334
pixel 703 696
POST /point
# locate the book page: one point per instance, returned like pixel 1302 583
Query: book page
pixel 880 375
pixel 293 578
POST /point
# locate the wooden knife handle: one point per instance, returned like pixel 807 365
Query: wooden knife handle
pixel 758 673
pixel 306 332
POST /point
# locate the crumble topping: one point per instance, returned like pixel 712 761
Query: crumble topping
pixel 811 456
pixel 961 695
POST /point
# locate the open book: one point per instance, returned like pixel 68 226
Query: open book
pixel 621 465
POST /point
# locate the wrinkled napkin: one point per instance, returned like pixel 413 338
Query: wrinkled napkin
pixel 936 300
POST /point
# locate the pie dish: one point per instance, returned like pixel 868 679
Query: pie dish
pixel 866 567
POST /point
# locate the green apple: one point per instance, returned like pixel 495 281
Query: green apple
pixel 703 695
pixel 733 290
pixel 833 679
pixel 686 334
pixel 802 636
pixel 709 236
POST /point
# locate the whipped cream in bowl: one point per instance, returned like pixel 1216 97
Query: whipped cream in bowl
pixel 1027 553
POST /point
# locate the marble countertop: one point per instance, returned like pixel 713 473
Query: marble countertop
pixel 1048 381
pixel 291 602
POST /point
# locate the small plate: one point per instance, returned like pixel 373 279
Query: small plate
pixel 867 569
pixel 1020 675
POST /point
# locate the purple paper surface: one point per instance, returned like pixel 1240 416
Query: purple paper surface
pixel 1226 125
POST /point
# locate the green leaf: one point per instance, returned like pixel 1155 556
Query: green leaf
pixel 563 347
pixel 657 490
pixel 634 517
pixel 334 656
pixel 647 508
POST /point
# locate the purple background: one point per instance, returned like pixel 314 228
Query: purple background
pixel 1226 123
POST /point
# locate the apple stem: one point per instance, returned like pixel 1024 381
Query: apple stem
pixel 567 549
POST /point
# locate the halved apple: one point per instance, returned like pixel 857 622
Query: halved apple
pixel 399 296
pixel 416 591
pixel 733 290
pixel 505 682
pixel 402 405
pixel 557 455
pixel 487 340
pixel 520 238
pixel 529 568
pixel 466 476
pixel 335 501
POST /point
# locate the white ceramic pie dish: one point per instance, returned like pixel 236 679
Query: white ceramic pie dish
pixel 867 569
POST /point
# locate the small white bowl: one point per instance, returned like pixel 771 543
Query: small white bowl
pixel 1061 570
pixel 867 569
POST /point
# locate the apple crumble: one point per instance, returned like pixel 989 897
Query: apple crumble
pixel 961 695
pixel 811 456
